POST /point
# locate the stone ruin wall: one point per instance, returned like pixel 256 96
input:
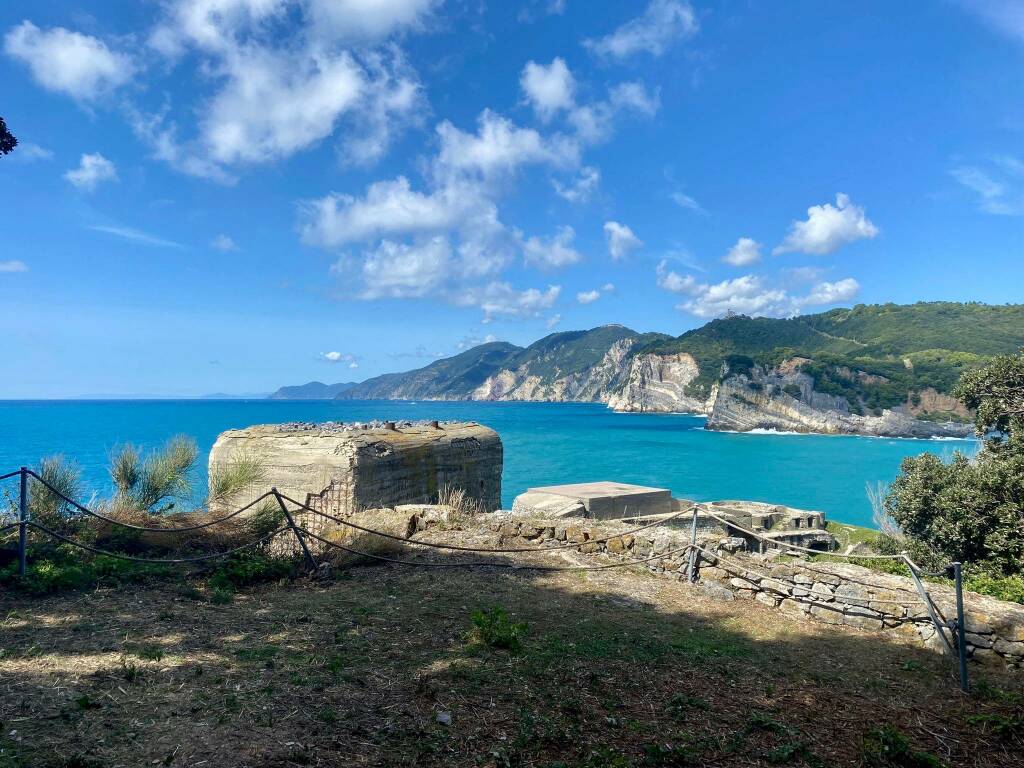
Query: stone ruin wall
pixel 835 593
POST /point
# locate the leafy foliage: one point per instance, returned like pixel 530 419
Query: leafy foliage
pixel 161 477
pixel 496 629
pixel 972 510
pixel 7 140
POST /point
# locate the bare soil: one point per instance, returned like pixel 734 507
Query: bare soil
pixel 378 667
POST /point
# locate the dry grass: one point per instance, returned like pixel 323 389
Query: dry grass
pixel 617 669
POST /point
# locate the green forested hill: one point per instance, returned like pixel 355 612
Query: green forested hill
pixel 550 358
pixel 913 346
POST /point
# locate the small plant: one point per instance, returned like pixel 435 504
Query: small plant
pixel 129 670
pixel 495 629
pixel 248 568
pixel 681 703
pixel 150 653
pixel 760 721
pixel 143 483
pixel 222 596
pixel 788 753
pixel 886 747
pixel 47 507
pixel 1004 727
pixel 245 470
pixel 84 703
pixel 327 715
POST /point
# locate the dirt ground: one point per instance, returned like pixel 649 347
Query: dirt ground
pixel 378 667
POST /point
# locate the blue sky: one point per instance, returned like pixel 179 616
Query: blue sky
pixel 232 195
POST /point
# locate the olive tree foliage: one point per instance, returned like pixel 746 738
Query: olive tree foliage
pixel 7 140
pixel 971 509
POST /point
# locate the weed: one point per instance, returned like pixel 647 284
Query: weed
pixel 495 629
pixel 886 747
pixel 84 703
pixel 681 703
pixel 150 653
pixel 248 568
pixel 788 753
pixel 129 671
pixel 264 654
pixel 328 715
pixel 760 721
pixel 222 596
pixel 1000 725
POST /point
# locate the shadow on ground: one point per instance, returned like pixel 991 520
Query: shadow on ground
pixel 381 666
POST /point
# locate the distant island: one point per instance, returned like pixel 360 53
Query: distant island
pixel 883 370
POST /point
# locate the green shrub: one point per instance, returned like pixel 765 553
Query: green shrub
pixel 495 629
pixel 1010 588
pixel 160 477
pixel 247 568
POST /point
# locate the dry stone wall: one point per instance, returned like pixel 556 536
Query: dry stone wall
pixel 835 593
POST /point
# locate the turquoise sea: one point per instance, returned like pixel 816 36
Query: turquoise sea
pixel 545 443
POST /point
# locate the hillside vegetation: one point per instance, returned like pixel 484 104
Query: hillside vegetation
pixel 552 357
pixel 912 347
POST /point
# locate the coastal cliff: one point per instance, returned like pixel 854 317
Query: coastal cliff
pixel 884 370
pixel 657 384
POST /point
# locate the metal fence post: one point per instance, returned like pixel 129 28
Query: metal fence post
pixel 295 529
pixel 23 520
pixel 691 568
pixel 961 640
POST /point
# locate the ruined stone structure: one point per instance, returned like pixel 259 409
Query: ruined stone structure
pixel 621 501
pixel 343 468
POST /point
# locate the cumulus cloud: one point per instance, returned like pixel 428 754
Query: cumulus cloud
pixel 750 295
pixel 621 240
pixel 224 243
pixel 594 123
pixel 552 321
pixel 368 20
pixel 340 357
pixel 552 252
pixel 827 228
pixel 81 66
pixel 744 253
pixel 397 270
pixel 662 24
pixel 589 297
pixel 580 189
pixel 13 265
pixel 92 170
pixel 549 89
pixel 499 299
pixel 998 185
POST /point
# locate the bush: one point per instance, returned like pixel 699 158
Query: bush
pixel 886 747
pixel 161 477
pixel 1010 588
pixel 248 568
pixel 972 510
pixel 495 629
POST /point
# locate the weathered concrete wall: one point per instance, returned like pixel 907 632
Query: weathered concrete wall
pixel 835 593
pixel 346 468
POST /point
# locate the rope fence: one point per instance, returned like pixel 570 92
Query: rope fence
pixel 955 644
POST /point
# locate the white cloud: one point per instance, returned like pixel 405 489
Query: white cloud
pixel 673 281
pixel 340 357
pixel 589 297
pixel 498 299
pixel 1005 16
pixel 827 228
pixel 831 293
pixel 78 65
pixel 662 24
pixel 135 236
pixel 549 89
pixel 224 243
pixel 744 253
pixel 553 321
pixel 396 270
pixel 13 265
pixel 498 148
pixel 750 295
pixel 552 252
pixel 29 152
pixel 91 171
pixel 595 122
pixel 621 240
pixel 998 185
pixel 581 188
pixel 687 202
pixel 274 106
pixel 367 20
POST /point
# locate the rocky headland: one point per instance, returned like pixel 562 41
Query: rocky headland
pixel 882 370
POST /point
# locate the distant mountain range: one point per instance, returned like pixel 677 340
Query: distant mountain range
pixel 873 369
